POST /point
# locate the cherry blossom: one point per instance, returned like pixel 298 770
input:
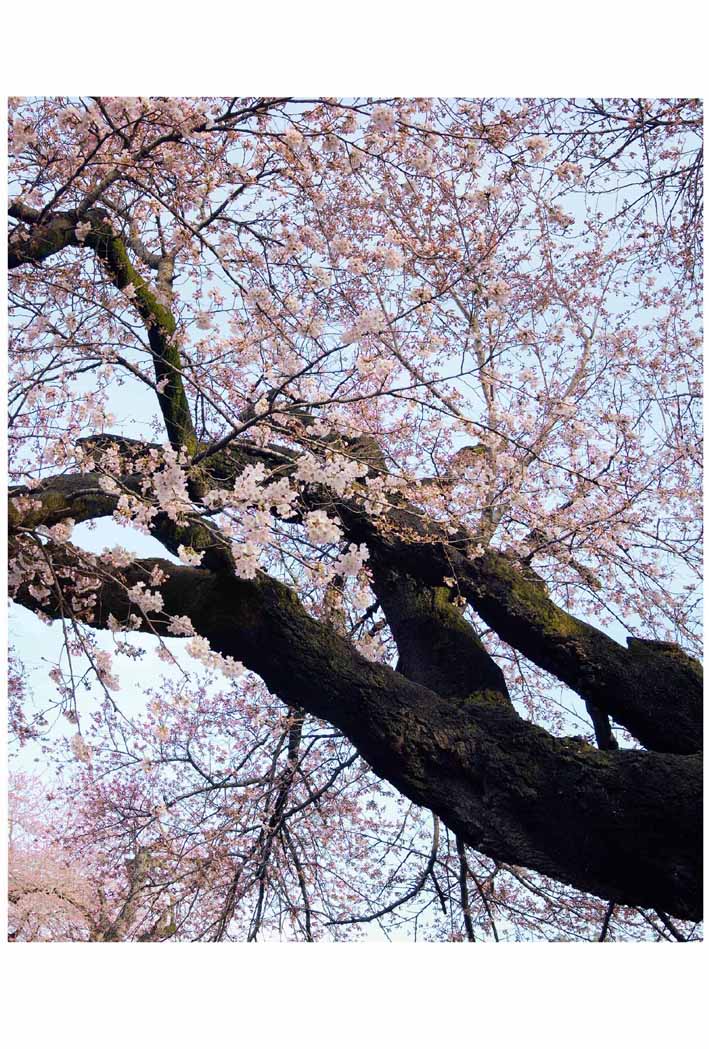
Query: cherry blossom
pixel 407 391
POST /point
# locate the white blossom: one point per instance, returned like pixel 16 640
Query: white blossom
pixel 199 649
pixel 538 147
pixel 246 557
pixel 292 137
pixel 320 528
pixel 350 563
pixel 498 291
pixel 422 161
pixel 247 485
pixel 181 626
pixel 118 556
pixel 188 556
pixel 82 231
pixel 146 600
pixel 382 119
pixel 108 485
pixel 170 487
pixel 61 532
pixel 389 256
pixel 80 749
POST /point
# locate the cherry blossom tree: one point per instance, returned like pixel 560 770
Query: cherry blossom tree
pixel 61 893
pixel 424 465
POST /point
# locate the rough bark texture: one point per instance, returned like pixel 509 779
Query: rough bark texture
pixel 624 825
pixel 654 692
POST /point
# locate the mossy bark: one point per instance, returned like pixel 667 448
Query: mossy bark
pixel 654 691
pixel 161 328
pixel 624 825
pixel 45 238
pixel 656 694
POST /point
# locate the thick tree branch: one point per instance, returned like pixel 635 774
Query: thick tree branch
pixel 40 240
pixel 437 647
pixel 653 690
pixel 624 825
pixel 45 238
